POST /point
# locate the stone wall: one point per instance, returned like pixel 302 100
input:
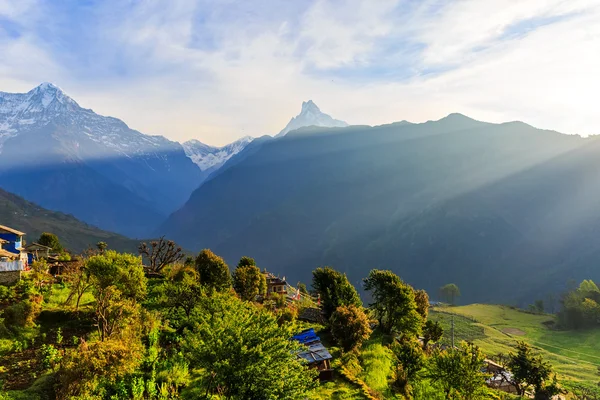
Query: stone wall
pixel 8 277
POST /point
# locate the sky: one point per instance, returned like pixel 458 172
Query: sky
pixel 219 70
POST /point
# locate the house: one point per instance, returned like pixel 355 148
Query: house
pixel 275 284
pixel 500 379
pixel 13 257
pixel 316 355
pixel 36 251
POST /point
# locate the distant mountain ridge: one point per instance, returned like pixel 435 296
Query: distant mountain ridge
pixel 311 115
pixel 210 158
pixel 75 235
pixel 506 211
pixel 67 158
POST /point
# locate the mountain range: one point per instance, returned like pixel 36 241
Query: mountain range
pixel 64 157
pixel 506 211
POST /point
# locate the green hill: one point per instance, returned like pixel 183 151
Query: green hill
pixel 575 355
pixel 75 235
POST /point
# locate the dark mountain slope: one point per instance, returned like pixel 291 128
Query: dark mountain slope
pixel 451 200
pixel 75 235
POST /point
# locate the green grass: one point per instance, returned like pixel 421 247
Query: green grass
pixel 575 355
pixel 59 295
pixel 376 361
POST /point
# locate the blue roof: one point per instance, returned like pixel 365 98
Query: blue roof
pixel 307 336
pixel 315 352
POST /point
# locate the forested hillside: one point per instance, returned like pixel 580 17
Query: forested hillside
pixel 75 235
pixel 506 211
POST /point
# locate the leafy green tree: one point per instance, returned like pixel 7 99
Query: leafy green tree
pixel 124 271
pixel 242 353
pixel 422 299
pixel 588 286
pixel 409 361
pixel 334 289
pixel 302 288
pixel 213 273
pixel 449 293
pixel 530 370
pixel 394 303
pixel 432 332
pixel 349 327
pixel 458 371
pixel 246 262
pixel 249 282
pixel 182 291
pixel 101 246
pixel 51 240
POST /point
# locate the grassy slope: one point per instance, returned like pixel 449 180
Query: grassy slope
pixel 574 354
pixel 75 235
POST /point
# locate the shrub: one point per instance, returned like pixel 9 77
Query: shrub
pixel 349 327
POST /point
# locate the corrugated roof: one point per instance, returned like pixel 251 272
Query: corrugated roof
pixel 316 353
pixel 11 230
pixel 34 244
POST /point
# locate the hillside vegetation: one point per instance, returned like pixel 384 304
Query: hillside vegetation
pixel 75 235
pixel 575 354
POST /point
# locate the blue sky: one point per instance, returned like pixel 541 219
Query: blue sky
pixel 218 70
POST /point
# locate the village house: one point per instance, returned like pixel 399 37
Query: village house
pixel 275 284
pixel 36 252
pixel 500 379
pixel 316 355
pixel 13 257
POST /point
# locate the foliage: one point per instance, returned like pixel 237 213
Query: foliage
pixel 50 356
pixel 530 371
pixel 246 262
pixel 51 240
pixel 242 353
pixel 39 275
pixel 449 293
pixel 394 303
pixel 182 291
pixel 410 360
pixel 422 299
pixel 161 253
pixel 349 327
pixel 78 278
pixel 115 313
pixel 213 273
pixel 23 313
pixel 101 246
pixel 581 307
pixel 124 271
pixel 248 281
pixel 458 371
pixel 302 288
pixel 334 290
pixel 88 369
pixel 432 332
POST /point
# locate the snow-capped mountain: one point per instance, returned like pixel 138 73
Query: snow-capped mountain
pixel 311 115
pixel 210 158
pixel 68 158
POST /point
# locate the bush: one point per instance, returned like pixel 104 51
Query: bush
pixel 349 327
pixel 23 313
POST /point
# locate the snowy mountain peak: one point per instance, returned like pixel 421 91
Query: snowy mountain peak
pixel 311 115
pixel 210 158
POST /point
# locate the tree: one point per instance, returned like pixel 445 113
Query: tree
pixel 182 290
pixel 529 370
pixel 213 273
pixel 334 289
pixel 124 271
pixel 458 371
pixel 161 253
pixel 242 353
pixel 246 262
pixel 393 302
pixel 39 274
pixel 249 282
pixel 51 240
pixel 302 288
pixel 349 327
pixel 449 293
pixel 79 282
pixel 409 360
pixel 101 246
pixel 432 332
pixel 422 299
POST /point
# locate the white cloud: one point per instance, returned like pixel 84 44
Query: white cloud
pixel 255 75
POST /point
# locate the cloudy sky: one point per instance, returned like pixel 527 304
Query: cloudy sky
pixel 217 70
